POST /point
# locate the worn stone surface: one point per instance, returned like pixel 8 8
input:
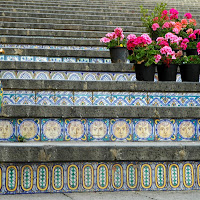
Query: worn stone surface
pixel 98 151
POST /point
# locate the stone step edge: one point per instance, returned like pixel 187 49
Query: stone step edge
pixel 120 86
pixel 98 151
pixel 51 66
pixel 32 111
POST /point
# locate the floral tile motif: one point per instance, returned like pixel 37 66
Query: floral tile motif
pixel 55 59
pixel 27 58
pixel 75 76
pixel 76 129
pixel 83 60
pixel 45 98
pixel 41 59
pixel 187 130
pixel 121 129
pixel 12 58
pixel 82 98
pixel 25 74
pixel 138 99
pixel 8 74
pixel 90 76
pixel 56 75
pixel 106 77
pixel 143 129
pixel 29 129
pixel 52 130
pixel 69 60
pixel 25 97
pixel 156 99
pixel 8 130
pixel 120 77
pixel 120 98
pixel 42 75
pixel 98 130
pixel 9 97
pixel 165 130
pixel 102 98
pixel 63 98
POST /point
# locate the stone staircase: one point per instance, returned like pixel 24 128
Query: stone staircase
pixel 88 124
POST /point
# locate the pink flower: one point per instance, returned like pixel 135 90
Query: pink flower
pixel 192 36
pixel 166 25
pixel 185 40
pixel 157 58
pixel 173 11
pixel 118 31
pixel 170 36
pixel 163 43
pixel 189 31
pixel 198 51
pixel 164 12
pixel 188 15
pixel 155 26
pixel 173 17
pixel 166 50
pixel 183 45
pixel 111 36
pixel 155 19
pixel 131 36
pixel 175 30
pixel 122 37
pixel 198 45
pixel 197 31
pixel 147 38
pixel 105 40
pixel 160 39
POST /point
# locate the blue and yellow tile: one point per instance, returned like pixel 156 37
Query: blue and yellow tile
pixel 98 130
pixel 9 97
pixel 52 130
pixel 45 98
pixel 138 99
pixel 76 129
pixel 156 99
pixel 187 130
pixel 82 98
pixel 25 97
pixel 121 129
pixel 120 98
pixel 58 75
pixel 102 99
pixel 25 74
pixel 165 130
pixel 29 129
pixel 8 130
pixel 143 129
pixel 63 98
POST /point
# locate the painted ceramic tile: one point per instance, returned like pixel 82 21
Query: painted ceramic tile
pixel 88 174
pixel 2 58
pixel 83 98
pixel 132 177
pixel 12 58
pixel 27 58
pixel 29 129
pixel 107 60
pixel 175 175
pixel 69 60
pixel 11 178
pixel 117 172
pixel 133 78
pixel 76 129
pixel 106 77
pixel 9 97
pixel 197 174
pixel 25 97
pixel 102 99
pixel 42 75
pixel 75 76
pixel 147 176
pixel 55 59
pixel 138 99
pixel 165 130
pixel 98 130
pixel 187 130
pixel 178 78
pixel 83 60
pixel 41 59
pixel 63 98
pixel 103 177
pixel 143 129
pixel 5 74
pixel 52 129
pixel 189 175
pixel 8 130
pixel 190 99
pixel 58 75
pixel 156 99
pixel 90 77
pixel 43 178
pixel 156 78
pixel 25 74
pixel 120 77
pixel 45 98
pixel 121 129
pixel 174 99
pixel 120 98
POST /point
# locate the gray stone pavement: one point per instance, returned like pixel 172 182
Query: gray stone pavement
pixel 139 195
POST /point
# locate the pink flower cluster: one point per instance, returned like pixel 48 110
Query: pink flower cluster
pixel 184 43
pixel 174 14
pixel 155 26
pixel 188 15
pixel 141 41
pixel 157 58
pixel 118 33
pixel 168 51
pixel 198 48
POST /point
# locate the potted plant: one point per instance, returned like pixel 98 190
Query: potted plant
pixel 116 43
pixel 144 56
pixel 190 68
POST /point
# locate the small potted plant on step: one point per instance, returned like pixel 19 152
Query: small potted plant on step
pixel 116 42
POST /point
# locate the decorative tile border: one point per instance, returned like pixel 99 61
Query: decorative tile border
pixel 97 129
pixel 69 98
pixel 98 176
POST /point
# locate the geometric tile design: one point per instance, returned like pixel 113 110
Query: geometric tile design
pixel 69 98
pixel 100 129
pixel 98 176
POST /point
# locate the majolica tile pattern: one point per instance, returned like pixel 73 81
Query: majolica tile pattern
pixel 69 98
pixel 98 176
pixel 97 129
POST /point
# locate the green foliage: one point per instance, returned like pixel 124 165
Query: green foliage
pixel 183 34
pixel 144 54
pixel 193 59
pixel 192 45
pixel 177 61
pixel 147 18
pixel 117 42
